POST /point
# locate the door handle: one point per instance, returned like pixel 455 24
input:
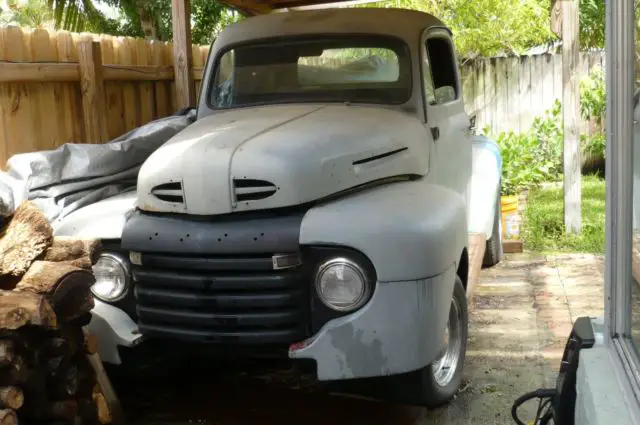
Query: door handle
pixel 435 132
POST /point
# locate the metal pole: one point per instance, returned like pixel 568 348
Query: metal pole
pixel 620 72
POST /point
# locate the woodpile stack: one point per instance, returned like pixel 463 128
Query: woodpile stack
pixel 46 376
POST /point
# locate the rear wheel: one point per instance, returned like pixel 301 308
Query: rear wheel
pixel 493 250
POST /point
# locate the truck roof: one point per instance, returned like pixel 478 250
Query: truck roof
pixel 402 23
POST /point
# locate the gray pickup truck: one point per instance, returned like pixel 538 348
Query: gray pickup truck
pixel 317 208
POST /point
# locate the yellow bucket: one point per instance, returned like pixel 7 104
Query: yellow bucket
pixel 509 207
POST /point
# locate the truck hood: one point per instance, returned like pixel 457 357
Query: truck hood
pixel 278 156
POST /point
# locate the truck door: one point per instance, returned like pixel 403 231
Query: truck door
pixel 447 123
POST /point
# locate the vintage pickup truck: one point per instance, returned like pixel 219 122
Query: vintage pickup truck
pixel 317 208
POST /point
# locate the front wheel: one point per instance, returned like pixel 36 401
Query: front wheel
pixel 437 383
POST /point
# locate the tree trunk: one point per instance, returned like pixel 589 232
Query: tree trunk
pixel 147 21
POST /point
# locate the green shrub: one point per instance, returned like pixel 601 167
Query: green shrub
pixel 529 159
pixel 593 104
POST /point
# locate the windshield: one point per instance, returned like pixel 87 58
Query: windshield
pixel 370 69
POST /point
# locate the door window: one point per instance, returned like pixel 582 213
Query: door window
pixel 440 76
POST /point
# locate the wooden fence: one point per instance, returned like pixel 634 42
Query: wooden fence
pixel 62 87
pixel 507 93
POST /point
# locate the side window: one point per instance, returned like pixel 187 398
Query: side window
pixel 442 69
pixel 429 93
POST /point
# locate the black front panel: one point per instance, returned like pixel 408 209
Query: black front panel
pixel 247 233
pixel 221 299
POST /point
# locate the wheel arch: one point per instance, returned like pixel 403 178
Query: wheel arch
pixel 463 267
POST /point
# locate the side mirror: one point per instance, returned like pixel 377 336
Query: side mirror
pixel 472 123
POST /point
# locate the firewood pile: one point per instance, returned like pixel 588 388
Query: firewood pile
pixel 46 376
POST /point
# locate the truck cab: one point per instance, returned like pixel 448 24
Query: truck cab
pixel 317 208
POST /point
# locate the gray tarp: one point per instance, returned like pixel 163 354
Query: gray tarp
pixel 74 175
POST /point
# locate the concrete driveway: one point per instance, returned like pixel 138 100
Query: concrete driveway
pixel 521 316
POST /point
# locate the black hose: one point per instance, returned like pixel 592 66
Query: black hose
pixel 542 393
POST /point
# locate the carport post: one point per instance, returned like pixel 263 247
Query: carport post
pixel 571 114
pixel 182 55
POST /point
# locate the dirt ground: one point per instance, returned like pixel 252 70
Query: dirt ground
pixel 521 316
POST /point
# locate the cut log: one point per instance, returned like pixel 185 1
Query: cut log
pixel 90 342
pixel 11 397
pixel 68 249
pixel 57 346
pixel 26 237
pixel 63 378
pixel 105 397
pixel 8 417
pixel 19 309
pixel 82 262
pixel 6 352
pixel 36 382
pixel 68 287
pixel 104 415
pixel 15 374
pixel 44 277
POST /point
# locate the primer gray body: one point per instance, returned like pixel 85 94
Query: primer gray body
pixel 414 232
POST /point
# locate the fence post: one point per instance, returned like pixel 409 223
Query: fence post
pixel 94 109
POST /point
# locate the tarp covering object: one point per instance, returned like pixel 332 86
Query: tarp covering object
pixel 74 175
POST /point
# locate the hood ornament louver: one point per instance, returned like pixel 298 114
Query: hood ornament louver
pixel 169 192
pixel 252 190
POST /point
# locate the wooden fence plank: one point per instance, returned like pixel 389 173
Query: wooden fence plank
pixel 113 91
pixel 46 131
pixel 524 93
pixel 92 89
pixel 147 101
pixel 71 126
pixel 5 109
pixel 161 90
pixel 19 132
pixel 123 52
pixel 512 103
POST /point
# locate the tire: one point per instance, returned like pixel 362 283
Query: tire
pixel 493 250
pixel 430 387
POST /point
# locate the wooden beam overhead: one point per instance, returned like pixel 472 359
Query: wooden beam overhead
pixel 182 54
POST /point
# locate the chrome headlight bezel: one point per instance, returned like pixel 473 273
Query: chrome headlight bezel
pixel 358 270
pixel 125 268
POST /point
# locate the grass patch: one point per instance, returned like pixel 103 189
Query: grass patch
pixel 543 226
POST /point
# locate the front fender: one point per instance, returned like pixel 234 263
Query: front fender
pixel 409 230
pixel 104 219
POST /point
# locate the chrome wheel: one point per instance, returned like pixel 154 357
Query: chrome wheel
pixel 444 368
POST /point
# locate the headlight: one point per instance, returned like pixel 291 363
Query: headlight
pixel 342 285
pixel 112 278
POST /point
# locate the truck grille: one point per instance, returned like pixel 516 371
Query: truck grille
pixel 221 300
